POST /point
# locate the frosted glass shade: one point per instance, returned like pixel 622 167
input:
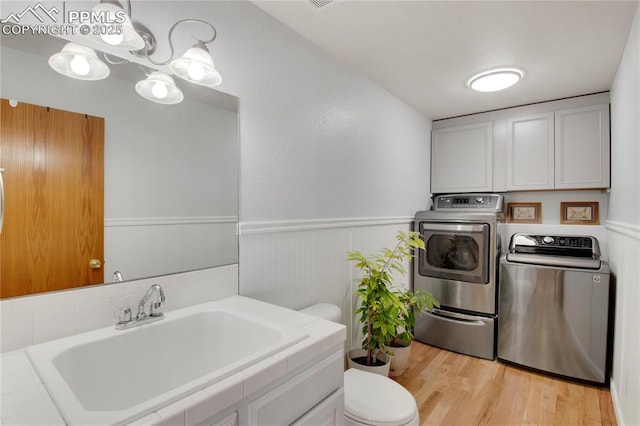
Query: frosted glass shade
pixel 79 62
pixel 128 39
pixel 160 88
pixel 196 66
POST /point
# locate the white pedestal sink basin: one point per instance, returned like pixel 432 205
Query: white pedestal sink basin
pixel 111 376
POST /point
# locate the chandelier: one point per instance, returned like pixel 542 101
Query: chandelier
pixel 195 65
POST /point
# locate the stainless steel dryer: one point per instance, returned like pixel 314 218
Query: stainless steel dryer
pixel 459 266
pixel 554 306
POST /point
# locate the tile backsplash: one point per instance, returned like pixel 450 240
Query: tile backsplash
pixel 35 319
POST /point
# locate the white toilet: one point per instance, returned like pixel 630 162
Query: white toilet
pixel 370 399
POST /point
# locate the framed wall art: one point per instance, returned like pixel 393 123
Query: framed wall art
pixel 524 212
pixel 579 213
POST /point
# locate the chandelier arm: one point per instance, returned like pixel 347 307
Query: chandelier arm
pixel 108 57
pixel 171 47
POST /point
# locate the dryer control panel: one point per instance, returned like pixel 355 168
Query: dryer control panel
pixel 469 202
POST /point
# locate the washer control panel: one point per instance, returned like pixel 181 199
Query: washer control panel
pixel 557 245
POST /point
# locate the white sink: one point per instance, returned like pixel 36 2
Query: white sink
pixel 111 376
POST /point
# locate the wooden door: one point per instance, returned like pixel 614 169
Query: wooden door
pixel 54 199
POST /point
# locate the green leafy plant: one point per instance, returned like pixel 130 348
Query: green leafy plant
pixel 414 302
pixel 382 311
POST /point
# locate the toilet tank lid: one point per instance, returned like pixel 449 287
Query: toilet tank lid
pixel 370 398
pixel 326 311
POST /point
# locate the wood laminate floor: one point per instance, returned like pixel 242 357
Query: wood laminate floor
pixel 455 389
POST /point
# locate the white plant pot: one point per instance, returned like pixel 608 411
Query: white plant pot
pixel 382 370
pixel 399 360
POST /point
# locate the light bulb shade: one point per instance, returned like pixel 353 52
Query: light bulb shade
pixel 495 80
pixel 196 66
pixel 79 62
pixel 159 87
pixel 117 19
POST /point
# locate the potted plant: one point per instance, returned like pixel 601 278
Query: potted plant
pixel 381 310
pixel 415 303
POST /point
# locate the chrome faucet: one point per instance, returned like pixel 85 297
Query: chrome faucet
pixel 117 277
pixel 126 319
pixel 159 300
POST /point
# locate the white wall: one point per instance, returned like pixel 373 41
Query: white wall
pixel 624 229
pixel 329 159
pixel 323 149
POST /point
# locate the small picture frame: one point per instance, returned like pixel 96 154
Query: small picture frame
pixel 524 212
pixel 579 213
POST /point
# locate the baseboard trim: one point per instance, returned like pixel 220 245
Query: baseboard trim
pixel 616 402
pixel 313 224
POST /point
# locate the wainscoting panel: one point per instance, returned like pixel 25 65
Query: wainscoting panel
pixel 143 247
pixel 298 264
pixel 624 253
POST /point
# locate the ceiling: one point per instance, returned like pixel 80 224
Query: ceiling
pixel 425 51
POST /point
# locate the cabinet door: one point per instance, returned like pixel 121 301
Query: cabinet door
pixel 582 147
pixel 461 158
pixel 530 152
pixel 329 412
pixel 292 399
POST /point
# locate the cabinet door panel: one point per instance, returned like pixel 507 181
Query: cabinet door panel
pixel 291 400
pixel 582 147
pixel 329 412
pixel 530 152
pixel 461 158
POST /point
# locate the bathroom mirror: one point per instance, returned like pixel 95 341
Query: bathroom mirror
pixel 171 171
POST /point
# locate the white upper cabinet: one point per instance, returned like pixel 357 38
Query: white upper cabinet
pixel 582 147
pixel 530 152
pixel 461 158
pixel 562 144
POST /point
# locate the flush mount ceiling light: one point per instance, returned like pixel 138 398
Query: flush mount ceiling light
pixel 495 80
pixel 79 62
pixel 159 87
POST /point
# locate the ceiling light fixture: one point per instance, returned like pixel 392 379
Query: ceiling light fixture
pixel 495 79
pixel 195 65
pixel 79 62
pixel 159 87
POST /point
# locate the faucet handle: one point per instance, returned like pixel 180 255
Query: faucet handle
pixel 124 315
pixel 153 307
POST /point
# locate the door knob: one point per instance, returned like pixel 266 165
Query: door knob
pixel 95 264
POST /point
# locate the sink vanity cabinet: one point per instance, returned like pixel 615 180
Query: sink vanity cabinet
pixel 562 144
pixel 234 361
pixel 312 395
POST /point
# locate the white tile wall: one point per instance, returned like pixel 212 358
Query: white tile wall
pixel 295 264
pixel 35 319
